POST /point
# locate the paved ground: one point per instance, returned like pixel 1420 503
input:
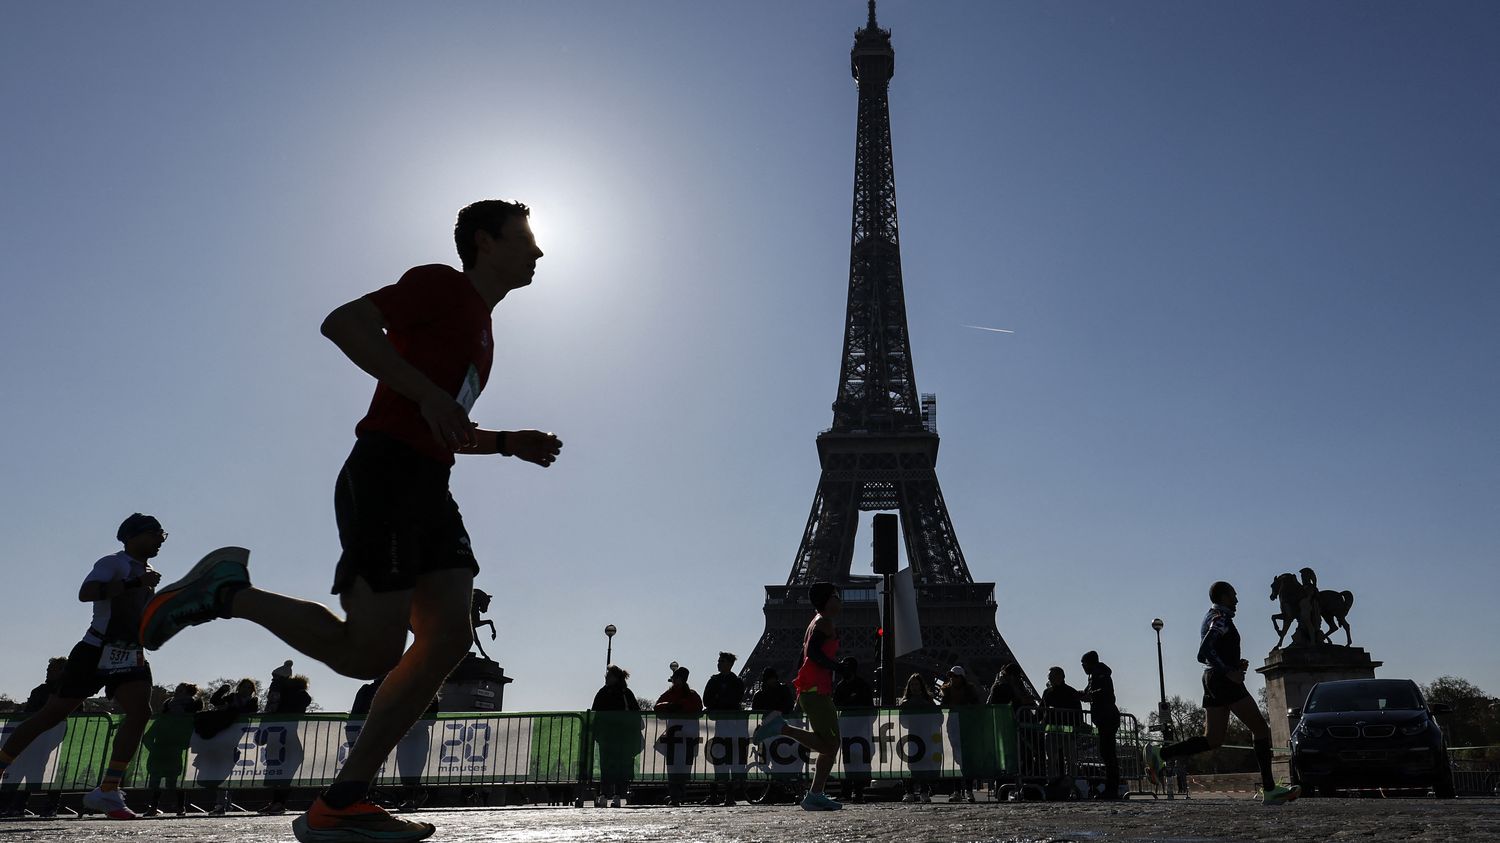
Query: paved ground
pixel 1178 821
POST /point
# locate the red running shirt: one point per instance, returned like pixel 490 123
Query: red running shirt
pixel 438 323
pixel 813 676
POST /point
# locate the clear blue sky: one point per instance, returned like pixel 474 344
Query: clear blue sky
pixel 1249 252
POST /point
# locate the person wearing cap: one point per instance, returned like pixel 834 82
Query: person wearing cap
pixel 814 684
pixel 679 699
pixel 109 657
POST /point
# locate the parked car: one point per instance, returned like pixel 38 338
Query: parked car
pixel 1369 733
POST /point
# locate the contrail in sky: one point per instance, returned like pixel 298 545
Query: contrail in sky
pixel 996 330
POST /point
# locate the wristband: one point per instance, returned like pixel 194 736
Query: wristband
pixel 500 437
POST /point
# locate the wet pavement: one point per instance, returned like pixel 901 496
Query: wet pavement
pixel 1178 821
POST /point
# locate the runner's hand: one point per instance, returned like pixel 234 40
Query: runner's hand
pixel 533 446
pixel 448 422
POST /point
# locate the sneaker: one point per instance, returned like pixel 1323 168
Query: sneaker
pixel 598 801
pixel 1280 795
pixel 1156 768
pixel 363 821
pixel 110 803
pixel 972 798
pixel 819 802
pixel 199 597
pixel 729 802
pixel 153 811
pixel 275 809
pixel 769 727
pixel 926 797
pixel 615 803
pixel 911 797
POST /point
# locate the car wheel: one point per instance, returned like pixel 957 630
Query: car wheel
pixel 1442 787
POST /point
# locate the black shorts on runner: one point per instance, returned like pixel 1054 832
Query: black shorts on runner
pixel 1220 690
pixel 82 677
pixel 396 519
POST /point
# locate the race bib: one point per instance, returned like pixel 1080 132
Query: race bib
pixel 468 393
pixel 119 658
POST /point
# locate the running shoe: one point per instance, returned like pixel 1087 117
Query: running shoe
pixel 199 597
pixel 1280 794
pixel 769 727
pixel 361 822
pixel 1156 768
pixel 615 803
pixel 110 803
pixel 819 802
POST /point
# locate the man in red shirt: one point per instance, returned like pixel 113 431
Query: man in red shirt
pixel 407 562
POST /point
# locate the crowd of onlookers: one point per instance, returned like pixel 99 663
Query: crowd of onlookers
pixel 724 691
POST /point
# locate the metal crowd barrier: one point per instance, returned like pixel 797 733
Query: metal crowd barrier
pixel 1059 758
pixel 70 756
pixel 1021 748
pixel 1476 770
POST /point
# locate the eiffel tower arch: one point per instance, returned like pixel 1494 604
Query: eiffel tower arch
pixel 880 455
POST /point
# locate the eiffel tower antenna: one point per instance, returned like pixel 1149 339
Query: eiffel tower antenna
pixel 879 454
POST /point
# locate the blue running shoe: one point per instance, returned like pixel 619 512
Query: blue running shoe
pixel 820 802
pixel 199 597
pixel 769 728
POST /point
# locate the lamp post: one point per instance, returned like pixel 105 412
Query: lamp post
pixel 1163 711
pixel 609 649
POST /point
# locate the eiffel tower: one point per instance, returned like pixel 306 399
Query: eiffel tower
pixel 880 454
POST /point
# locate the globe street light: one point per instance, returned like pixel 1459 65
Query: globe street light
pixel 609 649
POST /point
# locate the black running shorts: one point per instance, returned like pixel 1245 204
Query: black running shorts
pixel 82 676
pixel 1221 690
pixel 396 519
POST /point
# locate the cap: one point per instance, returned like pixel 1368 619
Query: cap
pixel 956 670
pixel 680 673
pixel 135 525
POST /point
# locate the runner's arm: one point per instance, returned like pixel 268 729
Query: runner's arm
pixel 358 329
pixel 815 649
pixel 533 446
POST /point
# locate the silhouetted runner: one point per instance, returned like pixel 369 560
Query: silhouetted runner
pixel 406 561
pixel 814 684
pixel 109 657
pixel 1224 693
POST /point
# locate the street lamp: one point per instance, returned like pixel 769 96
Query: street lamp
pixel 609 649
pixel 1163 711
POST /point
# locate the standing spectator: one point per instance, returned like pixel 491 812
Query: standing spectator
pixel 229 706
pixel 278 681
pixel 851 691
pixel 617 730
pixel 725 692
pixel 291 697
pixel 1062 712
pixel 166 745
pixel 13 798
pixel 774 695
pixel 1100 694
pixel 956 692
pixel 916 700
pixel 1008 689
pixel 682 701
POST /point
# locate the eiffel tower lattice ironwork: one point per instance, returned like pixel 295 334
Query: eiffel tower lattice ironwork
pixel 880 454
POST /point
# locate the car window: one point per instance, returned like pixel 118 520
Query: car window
pixel 1362 696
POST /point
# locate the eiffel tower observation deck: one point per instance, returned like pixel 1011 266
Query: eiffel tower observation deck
pixel 879 455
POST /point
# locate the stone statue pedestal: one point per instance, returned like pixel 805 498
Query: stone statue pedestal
pixel 1292 671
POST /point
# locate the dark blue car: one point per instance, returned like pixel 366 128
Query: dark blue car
pixel 1369 733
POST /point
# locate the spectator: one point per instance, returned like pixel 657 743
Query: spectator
pixel 683 701
pixel 851 691
pixel 617 730
pixel 13 797
pixel 725 692
pixel 774 695
pixel 1008 689
pixel 916 700
pixel 1063 715
pixel 957 691
pixel 291 698
pixel 229 706
pixel 1100 694
pixel 278 680
pixel 166 745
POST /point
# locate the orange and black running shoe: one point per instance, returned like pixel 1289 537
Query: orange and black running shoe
pixel 361 822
